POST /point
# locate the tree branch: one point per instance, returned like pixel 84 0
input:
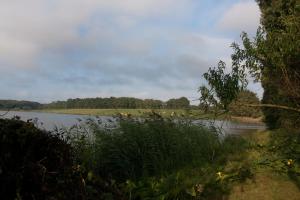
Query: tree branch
pixel 273 106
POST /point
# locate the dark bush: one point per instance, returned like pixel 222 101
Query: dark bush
pixel 35 164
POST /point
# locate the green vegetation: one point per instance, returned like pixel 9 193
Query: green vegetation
pixel 22 105
pixel 35 164
pixel 193 113
pixel 276 174
pixel 119 103
pixel 157 158
pixel 272 58
pixel 107 105
pixel 113 112
pixel 238 108
pixel 276 51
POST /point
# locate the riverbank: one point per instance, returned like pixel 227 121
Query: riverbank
pixel 189 113
pixel 258 120
pixel 132 112
pixel 160 159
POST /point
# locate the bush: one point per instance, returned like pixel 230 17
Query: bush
pixel 238 107
pixel 286 144
pixel 35 164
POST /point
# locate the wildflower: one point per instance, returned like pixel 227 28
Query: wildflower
pixel 220 176
pixel 123 114
pixel 290 162
pixel 199 188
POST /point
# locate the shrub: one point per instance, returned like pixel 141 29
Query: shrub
pixel 35 164
pixel 238 107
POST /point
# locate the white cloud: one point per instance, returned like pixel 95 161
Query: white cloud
pixel 103 48
pixel 14 50
pixel 243 16
pixel 27 28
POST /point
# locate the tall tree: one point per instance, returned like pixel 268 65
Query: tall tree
pixel 273 58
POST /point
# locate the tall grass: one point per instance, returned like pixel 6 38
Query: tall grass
pixel 153 147
pixel 155 156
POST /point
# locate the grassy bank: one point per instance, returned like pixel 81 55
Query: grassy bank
pixel 162 160
pixel 274 162
pixel 192 113
pixel 132 112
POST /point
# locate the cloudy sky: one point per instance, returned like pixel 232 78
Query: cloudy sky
pixel 60 49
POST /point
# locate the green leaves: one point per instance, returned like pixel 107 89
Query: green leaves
pixel 223 87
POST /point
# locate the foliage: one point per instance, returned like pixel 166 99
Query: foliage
pixel 120 103
pixel 286 144
pixel 153 158
pixel 281 154
pixel 154 146
pixel 35 164
pixel 197 182
pixel 158 158
pixel 239 106
pixel 192 113
pixel 223 87
pixel 182 102
pixel 272 57
pixel 13 104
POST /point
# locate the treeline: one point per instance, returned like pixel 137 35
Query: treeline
pixel 23 105
pixel 238 108
pixel 119 102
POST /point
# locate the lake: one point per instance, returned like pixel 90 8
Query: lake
pixel 49 121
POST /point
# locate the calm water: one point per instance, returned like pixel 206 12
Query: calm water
pixel 49 121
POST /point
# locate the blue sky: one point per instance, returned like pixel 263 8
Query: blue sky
pixel 60 49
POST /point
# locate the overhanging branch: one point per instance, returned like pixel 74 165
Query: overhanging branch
pixel 273 106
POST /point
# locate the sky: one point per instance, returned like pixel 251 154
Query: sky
pixel 59 49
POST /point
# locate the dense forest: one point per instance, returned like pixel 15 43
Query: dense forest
pixel 121 102
pixel 99 103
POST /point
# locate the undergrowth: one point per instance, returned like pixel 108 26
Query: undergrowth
pixel 125 158
pixel 160 158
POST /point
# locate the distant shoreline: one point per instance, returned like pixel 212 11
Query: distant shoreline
pixel 192 113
